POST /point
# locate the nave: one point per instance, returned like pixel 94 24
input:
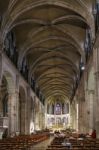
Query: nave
pixel 49 70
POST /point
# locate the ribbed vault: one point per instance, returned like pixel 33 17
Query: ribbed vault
pixel 50 34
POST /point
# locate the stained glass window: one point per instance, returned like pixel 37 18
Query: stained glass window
pixel 58 109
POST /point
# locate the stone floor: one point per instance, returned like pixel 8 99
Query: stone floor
pixel 42 145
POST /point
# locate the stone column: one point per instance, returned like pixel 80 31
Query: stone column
pixel 1 110
pixel 81 116
pixel 1 70
pixel 1 44
pixel 0 76
pixel 17 110
pixel 42 117
pixel 96 113
pixel 91 109
pixel 0 82
pixel 45 115
pixel 86 109
pixel 74 115
pixel 34 113
pixel 71 117
pixel 28 111
pixel 96 67
pixel 12 113
pixel 77 107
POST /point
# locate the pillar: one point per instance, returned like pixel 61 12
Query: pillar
pixel 28 112
pixel 91 110
pixel 96 66
pixel 34 113
pixel 13 112
pixel 17 111
pixel 81 116
pixel 96 113
pixel 45 115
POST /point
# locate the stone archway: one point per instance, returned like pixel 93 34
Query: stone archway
pixel 6 103
pixel 22 110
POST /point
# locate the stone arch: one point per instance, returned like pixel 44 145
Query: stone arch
pixel 10 81
pixel 28 6
pixel 22 110
pixel 7 87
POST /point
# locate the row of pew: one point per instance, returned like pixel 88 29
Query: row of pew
pixel 24 142
pixel 76 144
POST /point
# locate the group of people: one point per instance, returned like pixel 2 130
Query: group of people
pixel 59 134
pixel 62 134
pixel 92 135
pixel 68 144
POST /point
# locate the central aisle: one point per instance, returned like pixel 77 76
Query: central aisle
pixel 43 145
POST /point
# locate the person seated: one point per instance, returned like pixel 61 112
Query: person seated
pixel 93 135
pixel 87 135
pixel 5 134
pixel 81 136
pixel 13 134
pixel 71 137
pixel 62 134
pixel 67 143
pixel 56 135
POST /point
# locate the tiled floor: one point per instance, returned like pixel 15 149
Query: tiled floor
pixel 43 145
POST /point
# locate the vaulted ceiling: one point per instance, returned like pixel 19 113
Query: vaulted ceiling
pixel 51 35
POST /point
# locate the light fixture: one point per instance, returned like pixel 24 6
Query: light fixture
pixel 82 67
